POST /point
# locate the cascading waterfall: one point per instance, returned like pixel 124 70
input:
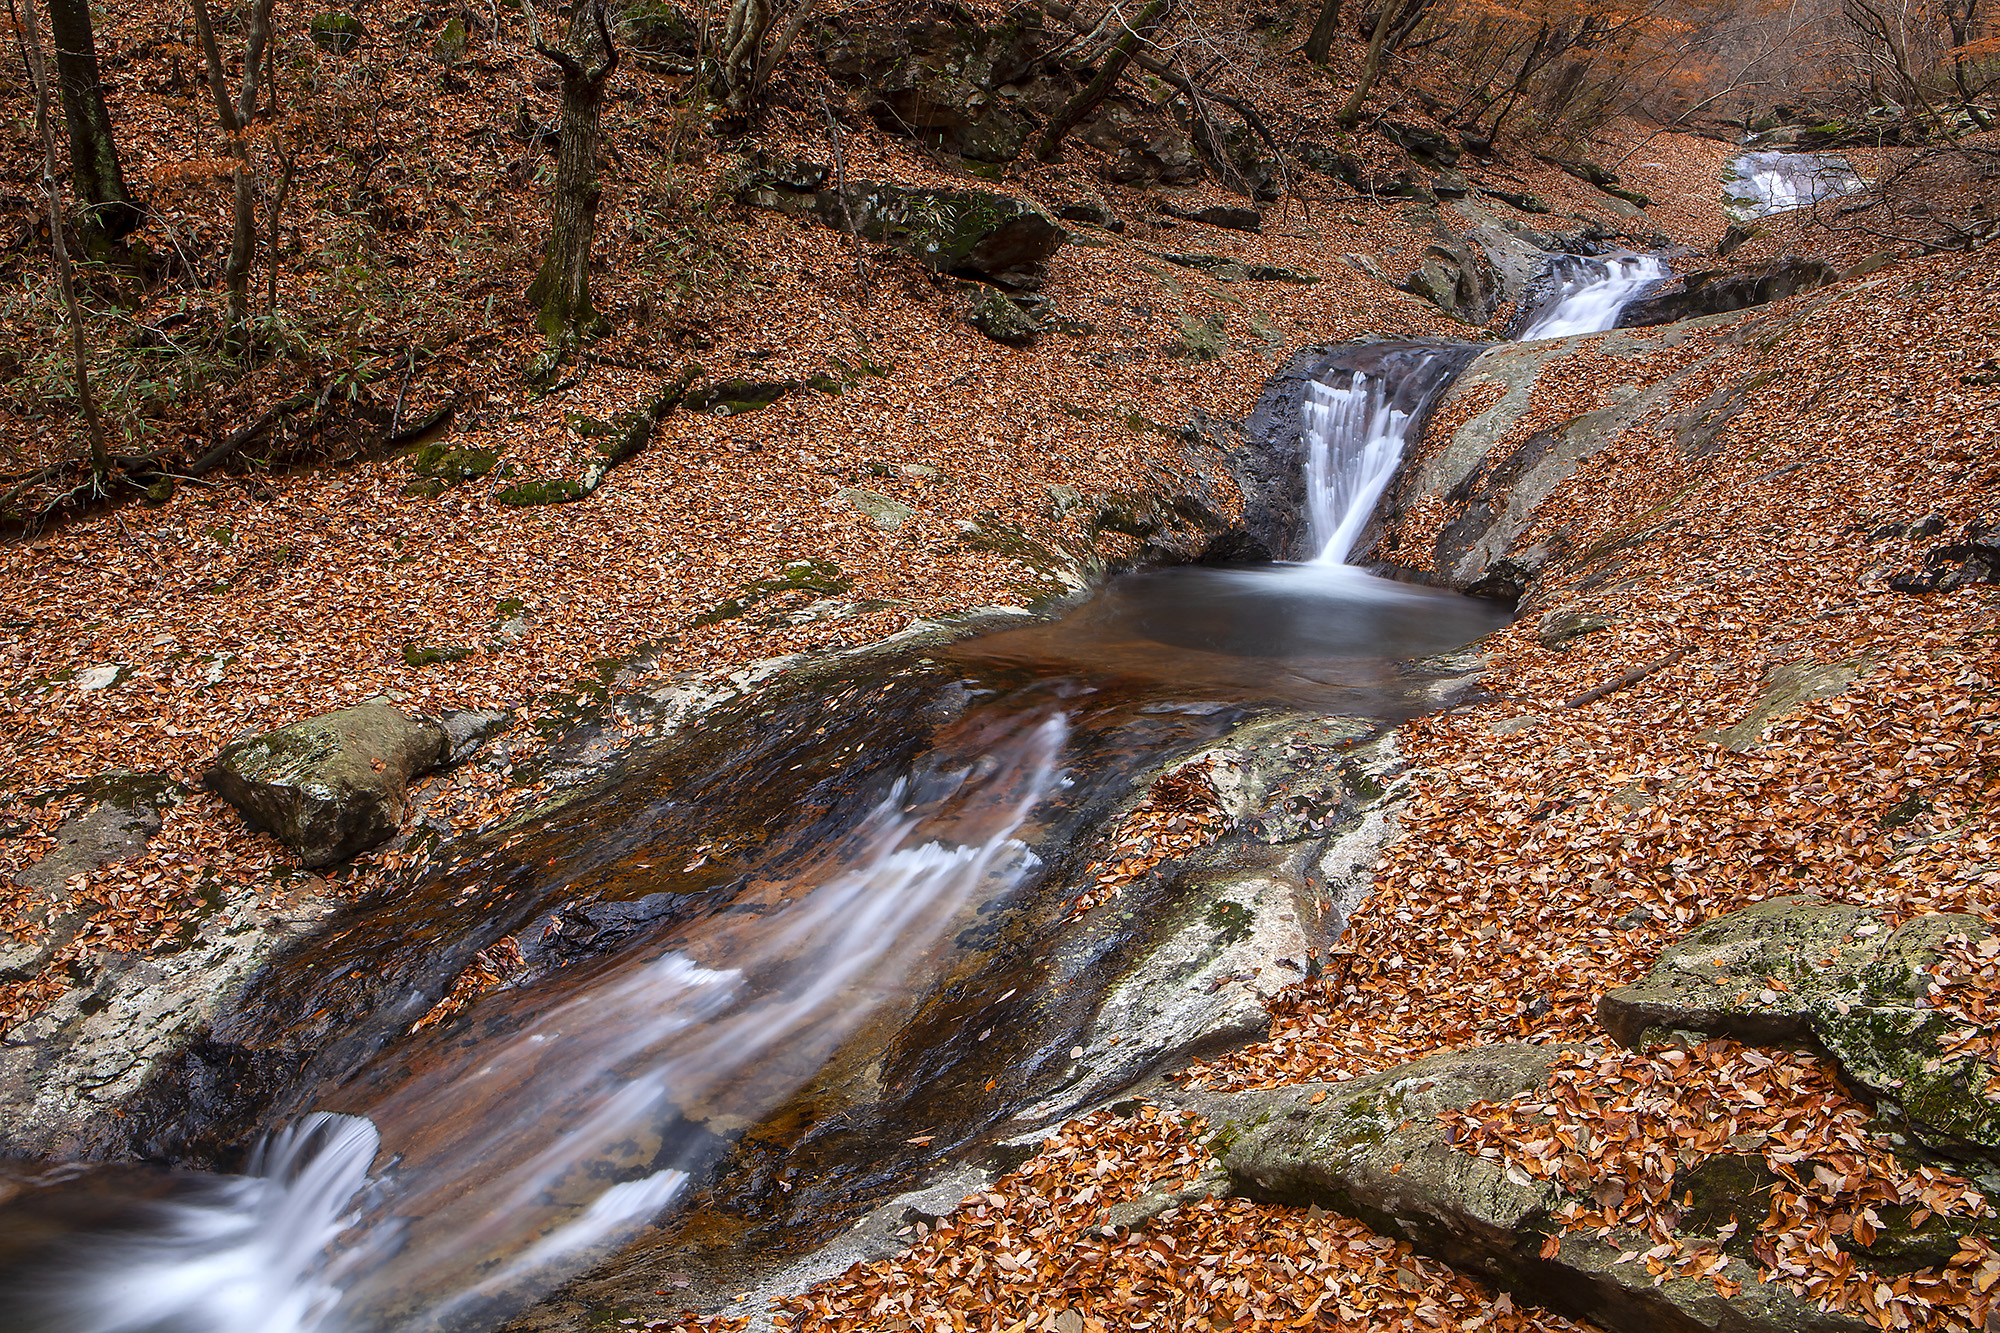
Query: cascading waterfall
pixel 1762 183
pixel 1355 430
pixel 1589 293
pixel 516 1161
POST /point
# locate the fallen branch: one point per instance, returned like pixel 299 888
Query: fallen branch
pixel 1632 677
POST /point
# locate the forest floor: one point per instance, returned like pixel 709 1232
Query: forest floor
pixel 250 602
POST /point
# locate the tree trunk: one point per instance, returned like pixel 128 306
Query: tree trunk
pixel 108 211
pixel 561 290
pixel 100 456
pixel 1085 102
pixel 1350 112
pixel 235 117
pixel 1325 28
pixel 736 55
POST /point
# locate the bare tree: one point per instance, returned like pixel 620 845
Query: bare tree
pixel 560 292
pixel 1319 42
pixel 235 117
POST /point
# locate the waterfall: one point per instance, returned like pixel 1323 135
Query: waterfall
pixel 1354 444
pixel 1762 183
pixel 505 1166
pixel 1590 292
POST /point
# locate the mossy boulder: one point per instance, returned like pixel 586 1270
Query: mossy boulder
pixel 332 786
pixel 1807 970
pixel 948 79
pixel 436 468
pixel 336 31
pixel 974 233
pixel 733 397
pixel 1375 1149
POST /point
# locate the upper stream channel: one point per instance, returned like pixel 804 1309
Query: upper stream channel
pixel 816 950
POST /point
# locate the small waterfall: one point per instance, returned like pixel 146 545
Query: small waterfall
pixel 1589 293
pixel 1354 444
pixel 517 1160
pixel 1762 183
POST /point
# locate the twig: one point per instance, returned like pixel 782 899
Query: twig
pixel 1632 677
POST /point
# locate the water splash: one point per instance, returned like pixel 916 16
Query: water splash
pixel 1589 293
pixel 584 1108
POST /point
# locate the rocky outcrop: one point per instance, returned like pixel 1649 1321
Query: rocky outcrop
pixel 946 79
pixel 331 786
pixel 1717 291
pixel 1806 969
pixel 1375 1149
pixel 1002 320
pixel 1140 145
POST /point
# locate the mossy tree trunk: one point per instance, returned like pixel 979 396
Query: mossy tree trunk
pixel 108 211
pixel 1108 74
pixel 561 290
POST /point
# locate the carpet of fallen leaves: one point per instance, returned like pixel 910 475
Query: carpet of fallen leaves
pixel 1028 1255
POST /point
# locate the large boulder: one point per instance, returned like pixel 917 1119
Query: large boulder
pixel 975 233
pixel 332 786
pixel 1376 1149
pixel 1808 970
pixel 1141 145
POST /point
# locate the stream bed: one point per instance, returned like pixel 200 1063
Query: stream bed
pixel 805 956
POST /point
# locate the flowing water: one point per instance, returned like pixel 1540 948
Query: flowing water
pixel 744 920
pixel 1763 183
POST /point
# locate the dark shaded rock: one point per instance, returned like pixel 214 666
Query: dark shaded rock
pixel 658 27
pixel 1949 568
pixel 973 232
pixel 1374 1149
pixel 1002 320
pixel 1421 142
pixel 1734 237
pixel 1224 269
pixel 1331 162
pixel 331 786
pixel 1718 291
pixel 1141 146
pixel 1506 580
pixel 1093 211
pixel 1527 203
pixel 1604 180
pixel 1231 216
pixel 1457 278
pixel 733 397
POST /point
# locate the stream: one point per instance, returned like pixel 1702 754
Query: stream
pixel 758 960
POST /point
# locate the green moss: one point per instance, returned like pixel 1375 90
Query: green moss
pixel 1231 921
pixel 553 491
pixel 337 32
pixel 422 657
pixel 820 577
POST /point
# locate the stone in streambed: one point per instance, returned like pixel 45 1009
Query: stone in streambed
pixel 332 786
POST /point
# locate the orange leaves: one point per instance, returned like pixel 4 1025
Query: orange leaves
pixel 1178 815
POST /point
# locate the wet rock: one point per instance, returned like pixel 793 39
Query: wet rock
pixel 1232 217
pixel 1374 1149
pixel 1458 279
pixel 1002 320
pixel 1805 969
pixel 331 786
pixel 883 512
pixel 1717 291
